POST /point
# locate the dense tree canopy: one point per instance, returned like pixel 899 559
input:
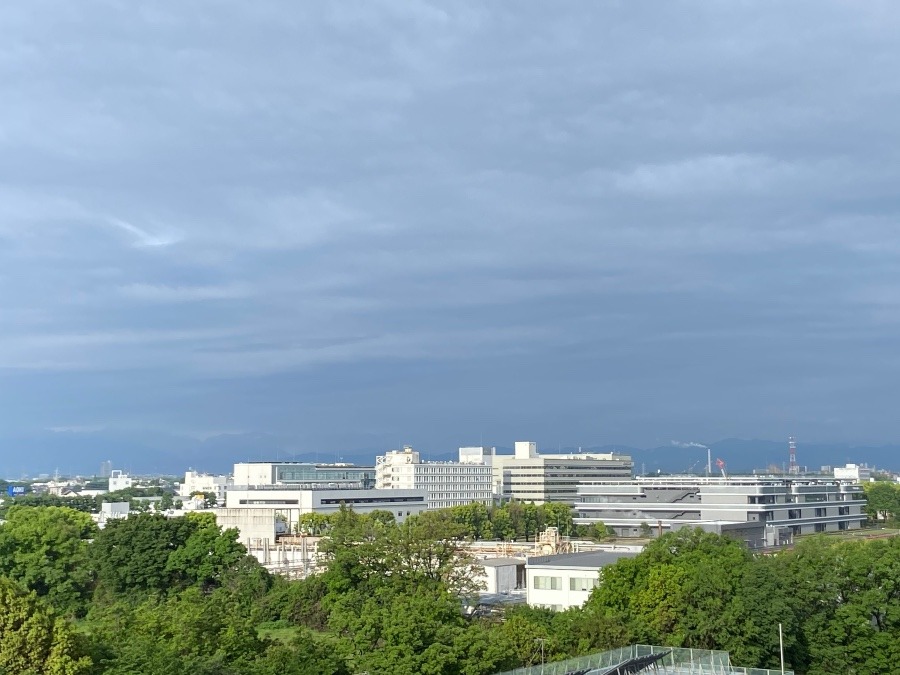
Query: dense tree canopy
pixel 160 596
pixel 46 550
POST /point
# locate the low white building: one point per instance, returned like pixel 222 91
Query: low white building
pixel 502 575
pixel 448 484
pixel 111 511
pixel 196 482
pixel 559 582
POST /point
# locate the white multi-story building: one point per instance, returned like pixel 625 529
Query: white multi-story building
pixel 447 483
pixel 861 474
pixel 645 506
pixel 196 482
pixel 118 480
pixel 559 582
pixel 530 477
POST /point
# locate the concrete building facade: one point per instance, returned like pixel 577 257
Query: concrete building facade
pixel 531 477
pixel 651 505
pixel 448 484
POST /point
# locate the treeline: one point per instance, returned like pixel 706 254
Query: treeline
pixel 510 521
pixel 136 498
pixel 161 596
pixel 882 501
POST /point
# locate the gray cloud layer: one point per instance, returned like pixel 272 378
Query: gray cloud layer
pixel 409 221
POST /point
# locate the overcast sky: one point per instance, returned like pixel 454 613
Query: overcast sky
pixel 373 222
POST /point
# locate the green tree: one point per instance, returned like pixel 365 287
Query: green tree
pixel 882 500
pixel 45 548
pixel 189 632
pixel 33 639
pixel 313 524
pixel 132 555
pixel 206 556
pixel 554 514
pixel 474 518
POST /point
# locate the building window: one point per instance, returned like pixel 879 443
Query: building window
pixel 843 510
pixel 793 514
pixel 820 527
pixel 820 513
pixel 548 583
pixel 583 583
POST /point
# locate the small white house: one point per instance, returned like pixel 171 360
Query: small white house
pixel 559 582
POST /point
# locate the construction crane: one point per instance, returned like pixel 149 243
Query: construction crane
pixel 721 464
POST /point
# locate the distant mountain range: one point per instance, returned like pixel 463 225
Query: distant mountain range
pixel 81 452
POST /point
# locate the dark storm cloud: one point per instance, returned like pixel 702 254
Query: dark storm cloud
pixel 586 223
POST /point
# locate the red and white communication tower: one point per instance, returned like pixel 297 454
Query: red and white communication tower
pixel 792 455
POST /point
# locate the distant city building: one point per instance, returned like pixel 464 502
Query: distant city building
pixel 105 469
pixel 448 484
pixel 648 506
pixel 196 482
pixel 559 582
pixel 305 475
pixel 531 477
pixel 119 480
pixel 861 474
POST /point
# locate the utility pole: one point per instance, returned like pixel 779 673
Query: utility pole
pixel 781 647
pixel 542 641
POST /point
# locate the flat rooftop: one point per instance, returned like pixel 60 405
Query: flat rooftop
pixel 589 559
pixel 501 562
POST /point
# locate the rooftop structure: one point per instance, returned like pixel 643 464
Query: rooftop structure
pixel 305 474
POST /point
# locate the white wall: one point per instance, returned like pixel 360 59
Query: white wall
pixel 499 579
pixel 255 473
pixel 563 597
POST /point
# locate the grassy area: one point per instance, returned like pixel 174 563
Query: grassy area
pixel 862 533
pixel 278 631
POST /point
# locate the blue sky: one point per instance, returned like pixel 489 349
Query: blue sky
pixel 364 223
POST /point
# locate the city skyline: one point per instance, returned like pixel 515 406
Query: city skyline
pixel 365 225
